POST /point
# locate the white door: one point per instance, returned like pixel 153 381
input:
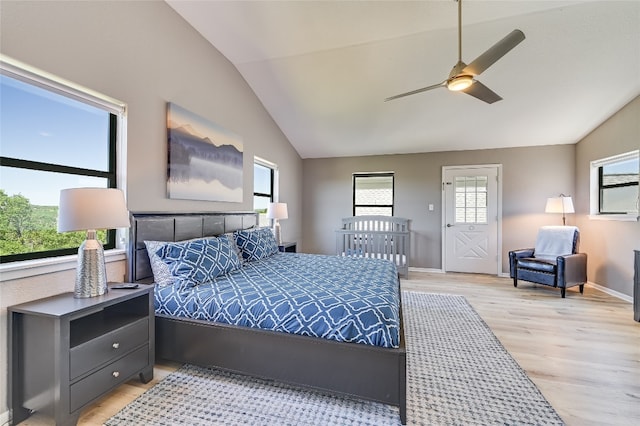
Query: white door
pixel 471 219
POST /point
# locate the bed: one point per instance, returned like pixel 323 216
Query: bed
pixel 360 370
pixel 384 237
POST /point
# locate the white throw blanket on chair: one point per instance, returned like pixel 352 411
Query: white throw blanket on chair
pixel 554 241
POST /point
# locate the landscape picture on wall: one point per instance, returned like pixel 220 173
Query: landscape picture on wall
pixel 205 160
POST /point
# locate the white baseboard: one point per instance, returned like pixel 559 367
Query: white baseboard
pixel 432 270
pixel 440 271
pixel 4 418
pixel 610 292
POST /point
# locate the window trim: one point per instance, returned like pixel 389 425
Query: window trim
pixel 373 174
pixel 29 268
pixel 594 188
pixel 10 67
pixel 31 75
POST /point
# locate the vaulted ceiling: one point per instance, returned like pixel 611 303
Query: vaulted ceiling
pixel 322 69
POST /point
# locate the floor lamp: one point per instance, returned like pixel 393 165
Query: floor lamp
pixel 561 204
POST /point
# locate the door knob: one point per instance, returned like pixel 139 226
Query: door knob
pixel 449 225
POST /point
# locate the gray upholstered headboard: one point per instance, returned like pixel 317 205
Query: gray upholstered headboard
pixel 176 227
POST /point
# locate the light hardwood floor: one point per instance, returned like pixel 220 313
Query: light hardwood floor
pixel 583 352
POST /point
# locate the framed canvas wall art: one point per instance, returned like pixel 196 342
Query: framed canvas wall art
pixel 205 161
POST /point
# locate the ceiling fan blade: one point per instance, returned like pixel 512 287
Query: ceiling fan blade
pixel 413 92
pixel 494 53
pixel 482 92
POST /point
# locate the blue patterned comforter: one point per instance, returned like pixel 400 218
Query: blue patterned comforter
pixel 337 298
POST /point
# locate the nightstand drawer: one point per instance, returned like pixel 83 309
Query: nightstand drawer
pixel 98 351
pixel 108 377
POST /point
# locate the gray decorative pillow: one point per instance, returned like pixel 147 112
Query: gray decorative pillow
pixel 232 241
pixel 161 273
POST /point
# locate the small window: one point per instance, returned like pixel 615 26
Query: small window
pixel 53 137
pixel 263 188
pixel 471 199
pixel 373 194
pixel 615 185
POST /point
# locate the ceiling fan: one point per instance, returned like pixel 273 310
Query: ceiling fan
pixel 461 78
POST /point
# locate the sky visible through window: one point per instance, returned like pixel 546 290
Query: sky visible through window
pixel 261 185
pixel 39 125
pixel 623 167
pixel 262 179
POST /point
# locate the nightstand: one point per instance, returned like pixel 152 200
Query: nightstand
pixel 65 353
pixel 288 247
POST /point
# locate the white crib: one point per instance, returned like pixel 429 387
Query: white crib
pixel 383 237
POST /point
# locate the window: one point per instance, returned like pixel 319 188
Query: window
pixel 264 174
pixel 373 194
pixel 54 136
pixel 614 185
pixel 471 199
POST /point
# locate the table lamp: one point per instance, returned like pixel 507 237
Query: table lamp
pixel 89 209
pixel 277 211
pixel 561 204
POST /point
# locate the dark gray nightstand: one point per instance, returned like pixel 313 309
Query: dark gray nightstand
pixel 65 353
pixel 288 247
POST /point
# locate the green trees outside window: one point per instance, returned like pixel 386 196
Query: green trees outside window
pixel 26 228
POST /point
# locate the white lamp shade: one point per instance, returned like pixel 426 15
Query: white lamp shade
pixel 277 211
pixel 81 209
pixel 559 205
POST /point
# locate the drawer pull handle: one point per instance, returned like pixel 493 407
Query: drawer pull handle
pixel 116 345
pixel 115 374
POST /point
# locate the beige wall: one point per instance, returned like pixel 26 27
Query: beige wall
pixel 609 244
pixel 530 176
pixel 144 54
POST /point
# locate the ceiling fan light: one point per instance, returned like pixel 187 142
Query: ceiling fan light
pixel 459 82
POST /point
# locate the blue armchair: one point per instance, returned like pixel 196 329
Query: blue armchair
pixel 554 261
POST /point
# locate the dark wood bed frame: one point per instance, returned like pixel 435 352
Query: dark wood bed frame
pixel 357 370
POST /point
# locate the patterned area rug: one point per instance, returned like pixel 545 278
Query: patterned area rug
pixel 458 373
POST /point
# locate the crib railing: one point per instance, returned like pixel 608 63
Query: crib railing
pixel 380 237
